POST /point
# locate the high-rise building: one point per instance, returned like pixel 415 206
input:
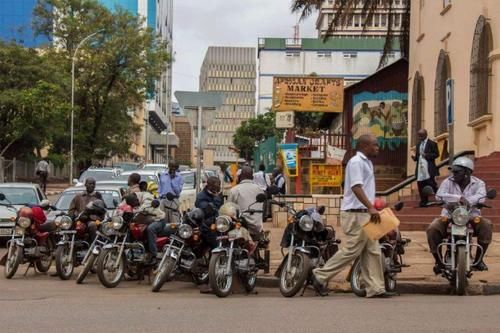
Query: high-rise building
pixel 232 71
pixel 16 23
pixel 375 26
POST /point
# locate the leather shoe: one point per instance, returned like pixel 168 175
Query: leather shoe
pixel 319 287
pixel 385 294
pixel 438 269
pixel 481 266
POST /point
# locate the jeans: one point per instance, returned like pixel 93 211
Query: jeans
pixel 154 230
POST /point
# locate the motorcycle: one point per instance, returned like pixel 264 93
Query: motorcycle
pixel 74 245
pixel 28 244
pixel 234 254
pixel 457 260
pixel 185 253
pixel 310 244
pixel 128 252
pixel 392 246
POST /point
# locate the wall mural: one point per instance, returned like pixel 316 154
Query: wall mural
pixel 384 114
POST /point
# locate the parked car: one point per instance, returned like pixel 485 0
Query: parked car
pixel 146 175
pixel 110 194
pixel 188 194
pixel 127 166
pixel 155 166
pixel 97 174
pixel 18 194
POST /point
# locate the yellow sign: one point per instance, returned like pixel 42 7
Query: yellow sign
pixel 325 175
pixel 310 94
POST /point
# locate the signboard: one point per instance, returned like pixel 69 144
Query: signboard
pixel 449 101
pixel 309 94
pixel 335 153
pixel 289 154
pixel 325 175
pixel 285 119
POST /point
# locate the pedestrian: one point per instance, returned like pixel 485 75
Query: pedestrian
pixel 425 169
pixel 171 181
pixel 357 210
pixel 279 180
pixel 238 173
pixel 42 171
pixel 264 182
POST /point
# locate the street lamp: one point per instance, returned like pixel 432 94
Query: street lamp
pixel 73 101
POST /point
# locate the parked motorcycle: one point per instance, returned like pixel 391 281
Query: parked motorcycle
pixel 310 243
pixel 234 254
pixel 127 254
pixel 392 246
pixel 457 260
pixel 27 244
pixel 185 253
pixel 74 242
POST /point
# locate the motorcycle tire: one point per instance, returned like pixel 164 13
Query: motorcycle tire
pixel 357 286
pixel 45 262
pixel 461 273
pixel 102 263
pixel 13 261
pixel 301 263
pixel 249 281
pixel 63 267
pixel 87 267
pixel 164 271
pixel 221 285
pixel 390 283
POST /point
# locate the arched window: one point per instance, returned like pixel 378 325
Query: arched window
pixel 417 107
pixel 480 69
pixel 443 73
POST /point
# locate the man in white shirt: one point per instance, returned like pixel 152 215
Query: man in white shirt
pixel 357 210
pixel 261 178
pixel 42 171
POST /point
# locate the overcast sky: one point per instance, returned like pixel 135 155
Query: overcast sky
pixel 202 23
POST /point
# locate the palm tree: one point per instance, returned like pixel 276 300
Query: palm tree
pixel 344 12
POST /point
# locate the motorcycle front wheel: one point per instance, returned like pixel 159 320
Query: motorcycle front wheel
pixel 64 264
pixel 461 273
pixel 357 283
pixel 14 258
pixel 249 281
pixel 109 270
pixel 45 261
pixel 87 266
pixel 293 280
pixel 220 282
pixel 164 271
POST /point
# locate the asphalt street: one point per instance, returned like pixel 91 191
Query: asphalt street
pixel 41 303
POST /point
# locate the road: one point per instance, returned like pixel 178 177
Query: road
pixel 45 304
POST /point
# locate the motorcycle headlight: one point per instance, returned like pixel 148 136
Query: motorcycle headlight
pixel 185 231
pixel 222 223
pixel 460 216
pixel 117 222
pixel 65 222
pixel 306 223
pixel 24 222
pixel 107 229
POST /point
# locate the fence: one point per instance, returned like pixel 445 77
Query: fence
pixel 15 170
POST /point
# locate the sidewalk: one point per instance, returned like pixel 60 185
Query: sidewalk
pixel 419 277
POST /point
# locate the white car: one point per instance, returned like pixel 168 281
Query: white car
pixel 146 175
pixel 98 174
pixel 155 167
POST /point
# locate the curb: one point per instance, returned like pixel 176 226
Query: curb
pixel 424 288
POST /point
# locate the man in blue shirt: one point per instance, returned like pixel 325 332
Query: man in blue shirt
pixel 171 181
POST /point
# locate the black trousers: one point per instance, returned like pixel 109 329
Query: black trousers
pixel 428 182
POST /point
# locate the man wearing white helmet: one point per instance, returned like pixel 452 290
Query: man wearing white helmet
pixel 462 187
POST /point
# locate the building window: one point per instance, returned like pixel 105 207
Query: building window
pixel 480 69
pixel 397 20
pixel 292 53
pixel 417 107
pixel 350 54
pixel 383 19
pixel 324 54
pixel 446 3
pixel 443 73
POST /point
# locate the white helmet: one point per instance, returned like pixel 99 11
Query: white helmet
pixel 464 162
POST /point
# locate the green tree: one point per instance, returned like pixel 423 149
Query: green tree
pixel 344 12
pixel 116 71
pixel 253 131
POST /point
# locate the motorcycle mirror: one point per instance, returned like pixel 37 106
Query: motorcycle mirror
pixel 398 206
pixel 155 203
pixel 170 196
pixel 321 210
pixel 2 196
pixel 491 194
pixel 427 191
pixel 45 204
pixel 75 181
pixel 261 197
pixel 273 189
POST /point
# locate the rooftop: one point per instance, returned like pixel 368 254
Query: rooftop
pixel 333 43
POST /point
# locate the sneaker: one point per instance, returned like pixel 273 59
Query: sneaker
pixel 319 287
pixel 481 266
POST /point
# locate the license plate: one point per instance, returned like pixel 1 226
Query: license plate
pixel 458 230
pixel 5 231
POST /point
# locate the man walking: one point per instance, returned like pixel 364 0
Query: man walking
pixel 425 170
pixel 42 171
pixel 357 210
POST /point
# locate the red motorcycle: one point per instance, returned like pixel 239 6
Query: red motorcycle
pixel 28 243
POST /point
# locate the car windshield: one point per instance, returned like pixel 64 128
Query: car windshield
pixel 144 178
pixel 97 175
pixel 19 196
pixel 127 166
pixel 154 167
pixel 108 196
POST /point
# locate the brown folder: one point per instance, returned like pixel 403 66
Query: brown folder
pixel 388 222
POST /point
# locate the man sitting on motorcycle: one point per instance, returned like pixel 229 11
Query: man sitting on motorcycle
pixel 209 200
pixel 464 188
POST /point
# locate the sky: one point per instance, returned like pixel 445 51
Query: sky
pixel 199 24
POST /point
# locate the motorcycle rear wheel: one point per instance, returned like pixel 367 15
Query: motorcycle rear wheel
pixel 64 264
pixel 290 284
pixel 43 264
pixel 220 282
pixel 249 281
pixel 13 260
pixel 87 267
pixel 357 284
pixel 163 274
pixel 105 262
pixel 461 273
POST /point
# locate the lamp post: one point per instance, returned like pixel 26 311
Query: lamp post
pixel 71 154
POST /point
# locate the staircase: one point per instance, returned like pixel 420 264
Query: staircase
pixel 414 218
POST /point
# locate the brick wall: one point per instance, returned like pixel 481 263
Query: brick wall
pixel 184 153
